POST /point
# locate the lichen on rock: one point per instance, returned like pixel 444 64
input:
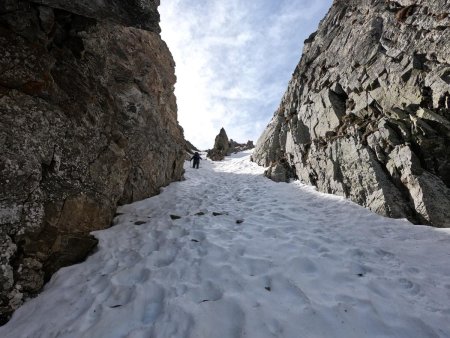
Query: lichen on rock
pixel 367 112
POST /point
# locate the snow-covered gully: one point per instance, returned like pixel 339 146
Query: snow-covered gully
pixel 228 253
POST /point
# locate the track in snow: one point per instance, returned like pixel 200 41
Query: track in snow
pixel 297 263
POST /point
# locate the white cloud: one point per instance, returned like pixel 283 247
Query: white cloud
pixel 233 61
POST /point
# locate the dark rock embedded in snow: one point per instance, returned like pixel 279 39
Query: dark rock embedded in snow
pixel 219 213
pixel 87 120
pixel 366 113
pixel 224 147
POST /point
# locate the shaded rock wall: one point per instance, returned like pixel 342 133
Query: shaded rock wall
pixel 88 121
pixel 366 113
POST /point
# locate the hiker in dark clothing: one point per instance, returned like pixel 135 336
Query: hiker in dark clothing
pixel 196 159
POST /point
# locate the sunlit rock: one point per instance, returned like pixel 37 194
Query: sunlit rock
pixel 366 113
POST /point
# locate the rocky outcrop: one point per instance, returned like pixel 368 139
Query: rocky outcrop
pixel 221 147
pixel 87 121
pixel 235 147
pixel 366 113
pixel 224 147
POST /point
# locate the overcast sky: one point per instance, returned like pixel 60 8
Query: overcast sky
pixel 234 59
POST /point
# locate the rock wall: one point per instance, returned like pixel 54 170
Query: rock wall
pixel 366 113
pixel 87 121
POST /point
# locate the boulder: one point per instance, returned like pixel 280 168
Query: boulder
pixel 366 114
pixel 280 171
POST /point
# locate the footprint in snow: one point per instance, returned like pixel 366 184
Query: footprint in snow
pixel 120 296
pixel 303 264
pixel 409 286
pixel 130 276
pixel 208 292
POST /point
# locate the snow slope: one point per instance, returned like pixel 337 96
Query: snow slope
pixel 248 258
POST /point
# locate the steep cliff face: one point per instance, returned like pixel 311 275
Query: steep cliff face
pixel 87 121
pixel 366 113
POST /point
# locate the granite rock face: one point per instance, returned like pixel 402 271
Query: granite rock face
pixel 87 121
pixel 366 114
